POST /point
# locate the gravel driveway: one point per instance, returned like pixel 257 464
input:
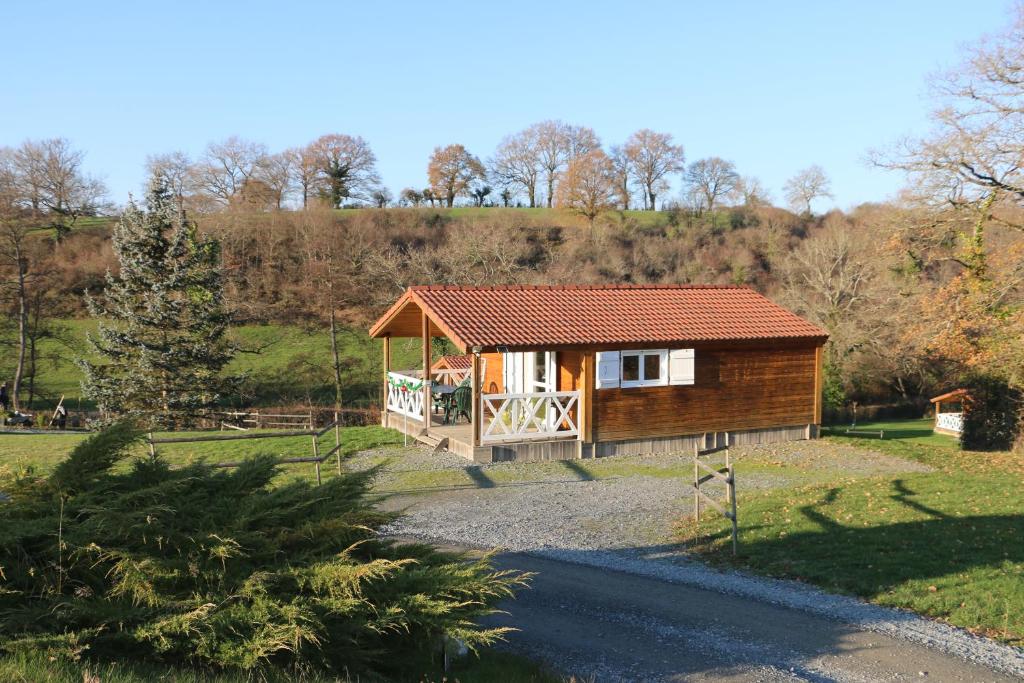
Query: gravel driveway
pixel 611 519
pixel 607 503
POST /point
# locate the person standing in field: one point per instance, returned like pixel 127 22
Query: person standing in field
pixel 5 400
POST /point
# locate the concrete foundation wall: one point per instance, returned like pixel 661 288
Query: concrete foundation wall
pixel 570 449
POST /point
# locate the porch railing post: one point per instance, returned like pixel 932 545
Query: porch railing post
pixel 477 410
pixel 426 373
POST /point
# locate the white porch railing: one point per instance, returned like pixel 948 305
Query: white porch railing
pixel 953 422
pixel 405 395
pixel 522 417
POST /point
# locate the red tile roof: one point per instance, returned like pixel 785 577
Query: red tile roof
pixel 610 316
pixel 460 362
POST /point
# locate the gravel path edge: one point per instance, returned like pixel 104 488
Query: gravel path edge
pixel 901 624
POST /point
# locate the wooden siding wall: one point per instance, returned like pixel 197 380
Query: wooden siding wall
pixel 570 365
pixel 493 380
pixel 733 390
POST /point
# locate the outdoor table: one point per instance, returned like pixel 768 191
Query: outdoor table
pixel 444 392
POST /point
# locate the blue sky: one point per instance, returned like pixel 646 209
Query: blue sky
pixel 772 86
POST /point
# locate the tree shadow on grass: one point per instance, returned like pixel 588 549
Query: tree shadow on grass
pixel 871 560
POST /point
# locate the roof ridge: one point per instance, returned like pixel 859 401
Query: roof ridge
pixel 472 288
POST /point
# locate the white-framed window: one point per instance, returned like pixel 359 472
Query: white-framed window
pixel 644 368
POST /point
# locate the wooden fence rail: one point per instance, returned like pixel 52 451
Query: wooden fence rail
pixel 317 459
pixel 727 476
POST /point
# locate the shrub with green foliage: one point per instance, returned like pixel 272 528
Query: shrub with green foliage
pixel 223 569
pixel 991 414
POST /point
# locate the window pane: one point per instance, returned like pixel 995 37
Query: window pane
pixel 540 372
pixel 630 368
pixel 652 367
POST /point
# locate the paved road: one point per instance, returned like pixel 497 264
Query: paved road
pixel 614 626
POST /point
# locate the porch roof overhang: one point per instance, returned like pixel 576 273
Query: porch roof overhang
pixel 523 318
pixel 949 395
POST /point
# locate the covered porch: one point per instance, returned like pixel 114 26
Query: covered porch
pixel 512 404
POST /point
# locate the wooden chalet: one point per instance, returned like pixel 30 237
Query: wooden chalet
pixel 565 372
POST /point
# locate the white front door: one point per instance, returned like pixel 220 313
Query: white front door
pixel 529 372
pixel 539 371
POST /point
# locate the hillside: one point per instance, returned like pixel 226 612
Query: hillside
pixel 285 271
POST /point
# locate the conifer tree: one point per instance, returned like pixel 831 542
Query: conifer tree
pixel 161 343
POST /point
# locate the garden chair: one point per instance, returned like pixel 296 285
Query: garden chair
pixel 461 403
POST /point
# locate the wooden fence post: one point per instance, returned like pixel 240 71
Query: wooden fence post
pixel 152 446
pixel 337 440
pixel 732 501
pixel 316 456
pixel 696 485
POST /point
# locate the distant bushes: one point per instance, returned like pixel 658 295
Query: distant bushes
pixel 224 570
pixel 992 417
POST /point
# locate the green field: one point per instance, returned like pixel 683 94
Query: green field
pixel 282 364
pixel 948 543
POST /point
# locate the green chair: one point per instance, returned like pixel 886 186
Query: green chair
pixel 462 403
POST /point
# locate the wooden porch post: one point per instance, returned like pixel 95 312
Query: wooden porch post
pixel 587 397
pixel 387 369
pixel 426 373
pixel 476 412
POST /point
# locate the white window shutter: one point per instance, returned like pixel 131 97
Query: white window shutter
pixel 680 366
pixel 607 369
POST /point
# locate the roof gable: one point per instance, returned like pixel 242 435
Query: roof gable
pixel 599 316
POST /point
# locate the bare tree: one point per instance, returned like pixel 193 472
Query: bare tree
pixel 557 143
pixel 806 186
pixel 306 172
pixel 51 180
pixel 978 144
pixel 588 186
pixel 653 158
pixel 714 178
pixel 969 170
pixel 173 169
pixel 15 263
pixel 622 175
pixel 347 166
pixel 517 163
pixel 752 192
pixel 277 171
pixel 226 167
pixel 451 169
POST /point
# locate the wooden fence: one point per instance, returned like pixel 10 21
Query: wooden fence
pixel 263 420
pixel 316 458
pixel 727 476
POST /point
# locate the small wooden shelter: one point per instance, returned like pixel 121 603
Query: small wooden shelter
pixel 450 370
pixel 562 372
pixel 949 412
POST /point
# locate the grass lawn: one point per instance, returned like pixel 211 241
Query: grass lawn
pixel 488 667
pixel 947 543
pixel 283 364
pixel 908 431
pixel 44 451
